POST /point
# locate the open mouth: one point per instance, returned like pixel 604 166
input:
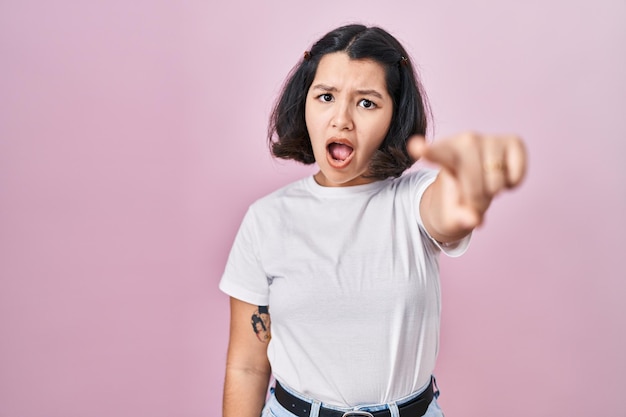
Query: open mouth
pixel 340 152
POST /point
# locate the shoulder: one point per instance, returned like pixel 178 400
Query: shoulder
pixel 280 197
pixel 414 181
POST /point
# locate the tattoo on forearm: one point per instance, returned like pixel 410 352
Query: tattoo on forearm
pixel 261 324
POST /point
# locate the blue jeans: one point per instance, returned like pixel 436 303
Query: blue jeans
pixel 274 409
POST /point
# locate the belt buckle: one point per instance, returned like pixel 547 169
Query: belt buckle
pixel 357 413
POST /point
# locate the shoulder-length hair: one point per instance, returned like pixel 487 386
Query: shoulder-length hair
pixel 288 137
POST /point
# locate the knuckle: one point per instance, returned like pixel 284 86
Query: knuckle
pixel 469 138
pixel 517 143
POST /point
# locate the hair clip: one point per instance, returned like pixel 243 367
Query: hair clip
pixel 404 61
pixel 307 55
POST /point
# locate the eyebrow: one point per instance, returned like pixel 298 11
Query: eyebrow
pixel 330 89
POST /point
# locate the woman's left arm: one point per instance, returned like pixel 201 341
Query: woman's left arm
pixel 474 169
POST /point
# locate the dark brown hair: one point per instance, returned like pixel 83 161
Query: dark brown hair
pixel 288 136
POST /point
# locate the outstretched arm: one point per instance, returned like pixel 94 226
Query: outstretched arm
pixel 474 169
pixel 247 367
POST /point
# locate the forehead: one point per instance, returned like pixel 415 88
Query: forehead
pixel 338 70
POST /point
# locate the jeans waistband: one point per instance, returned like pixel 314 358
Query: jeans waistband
pixel 413 406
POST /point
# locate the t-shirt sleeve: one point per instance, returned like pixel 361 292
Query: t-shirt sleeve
pixel 423 179
pixel 244 277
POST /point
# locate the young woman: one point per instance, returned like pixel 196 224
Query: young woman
pixel 334 279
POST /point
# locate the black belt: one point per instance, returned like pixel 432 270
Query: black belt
pixel 414 408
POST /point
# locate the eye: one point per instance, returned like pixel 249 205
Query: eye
pixel 367 104
pixel 326 97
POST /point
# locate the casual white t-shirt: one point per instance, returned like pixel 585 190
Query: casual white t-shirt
pixel 351 279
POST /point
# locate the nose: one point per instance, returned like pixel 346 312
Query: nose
pixel 342 119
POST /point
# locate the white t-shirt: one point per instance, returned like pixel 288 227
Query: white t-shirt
pixel 351 279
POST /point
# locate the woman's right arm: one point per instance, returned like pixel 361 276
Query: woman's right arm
pixel 247 367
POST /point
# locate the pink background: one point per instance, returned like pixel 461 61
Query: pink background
pixel 132 139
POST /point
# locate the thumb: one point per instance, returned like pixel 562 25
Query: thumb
pixel 416 147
